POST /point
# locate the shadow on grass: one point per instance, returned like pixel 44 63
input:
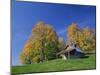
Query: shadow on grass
pixel 85 57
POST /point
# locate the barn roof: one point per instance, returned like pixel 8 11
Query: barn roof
pixel 66 50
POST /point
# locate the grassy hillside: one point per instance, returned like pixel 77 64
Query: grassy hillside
pixel 57 65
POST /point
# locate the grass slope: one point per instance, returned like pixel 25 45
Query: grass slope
pixel 57 65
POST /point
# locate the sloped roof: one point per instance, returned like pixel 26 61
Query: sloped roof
pixel 66 50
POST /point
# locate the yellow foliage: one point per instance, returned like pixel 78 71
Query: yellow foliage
pixel 41 34
pixel 84 38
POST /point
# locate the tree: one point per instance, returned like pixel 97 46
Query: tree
pixel 83 37
pixel 41 45
pixel 73 33
pixel 90 39
pixel 45 33
pixel 50 50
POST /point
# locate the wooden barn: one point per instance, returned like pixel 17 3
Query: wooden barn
pixel 70 51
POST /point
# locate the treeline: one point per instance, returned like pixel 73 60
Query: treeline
pixel 44 43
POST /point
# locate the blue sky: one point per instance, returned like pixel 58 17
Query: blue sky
pixel 25 15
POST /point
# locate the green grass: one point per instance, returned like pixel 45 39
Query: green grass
pixel 57 65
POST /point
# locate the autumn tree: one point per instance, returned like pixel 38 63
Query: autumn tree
pixel 83 37
pixel 90 40
pixel 42 45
